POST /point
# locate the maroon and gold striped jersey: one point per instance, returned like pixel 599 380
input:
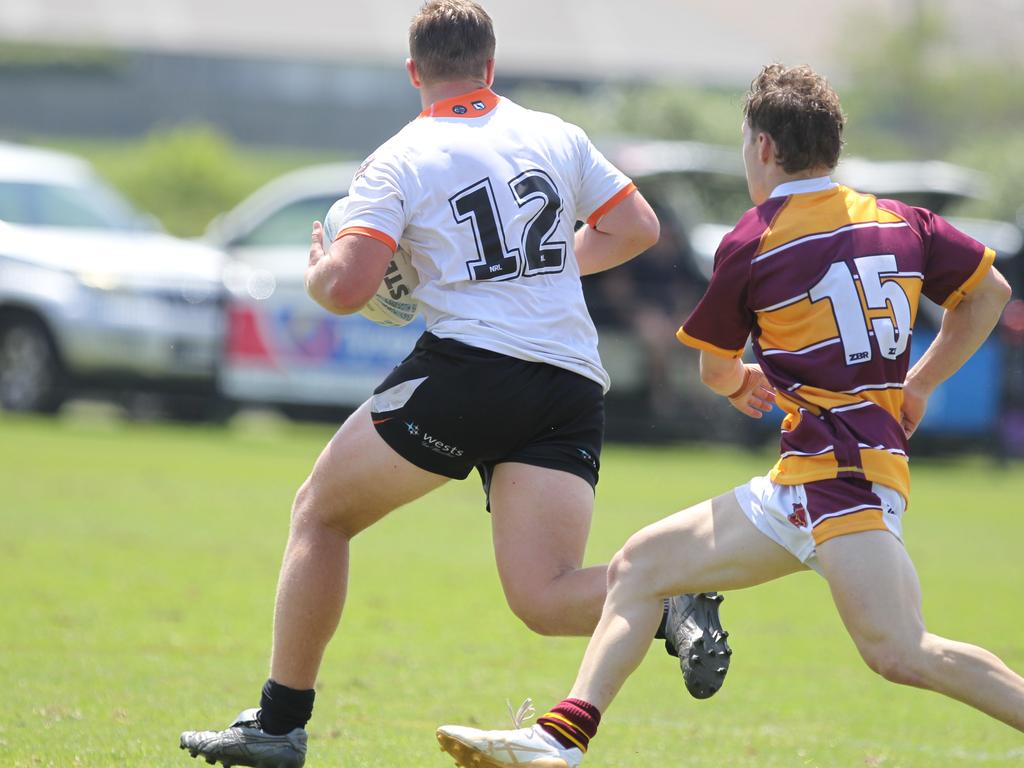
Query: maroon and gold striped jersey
pixel 827 282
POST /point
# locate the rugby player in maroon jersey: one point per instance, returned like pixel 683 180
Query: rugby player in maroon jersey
pixel 826 282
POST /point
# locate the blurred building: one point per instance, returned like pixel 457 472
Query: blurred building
pixel 708 42
pixel 329 74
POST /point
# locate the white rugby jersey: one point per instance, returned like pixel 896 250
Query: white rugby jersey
pixel 485 194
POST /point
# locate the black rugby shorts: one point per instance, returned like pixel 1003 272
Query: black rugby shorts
pixel 449 407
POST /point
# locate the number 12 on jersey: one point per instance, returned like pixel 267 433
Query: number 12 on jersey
pixel 477 205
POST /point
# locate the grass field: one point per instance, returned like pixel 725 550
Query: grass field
pixel 139 561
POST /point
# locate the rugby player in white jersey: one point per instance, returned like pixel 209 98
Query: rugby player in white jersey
pixel 507 378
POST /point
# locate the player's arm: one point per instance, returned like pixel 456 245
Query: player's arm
pixel 743 384
pixel 342 277
pixel 720 325
pixel 628 229
pixel 964 329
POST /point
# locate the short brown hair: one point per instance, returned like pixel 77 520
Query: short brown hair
pixel 801 112
pixel 451 40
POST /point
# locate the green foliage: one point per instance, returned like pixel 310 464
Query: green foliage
pixel 187 174
pixel 39 57
pixel 144 591
pixel 912 96
pixel 1003 161
pixel 893 91
pixel 647 110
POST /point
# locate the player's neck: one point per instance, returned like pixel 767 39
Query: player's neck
pixel 781 177
pixel 435 92
pixel 773 176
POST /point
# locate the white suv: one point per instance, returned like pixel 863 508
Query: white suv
pixel 93 298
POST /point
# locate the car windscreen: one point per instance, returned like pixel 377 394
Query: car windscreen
pixel 289 225
pixel 57 205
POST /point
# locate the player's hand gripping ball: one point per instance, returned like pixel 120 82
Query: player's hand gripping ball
pixel 393 303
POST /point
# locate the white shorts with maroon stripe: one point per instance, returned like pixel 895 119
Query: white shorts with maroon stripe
pixel 799 517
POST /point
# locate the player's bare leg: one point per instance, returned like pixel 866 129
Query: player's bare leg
pixel 355 482
pixel 711 545
pixel 876 590
pixel 540 519
pixel 708 545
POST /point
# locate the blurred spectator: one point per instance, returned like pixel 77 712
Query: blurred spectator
pixel 1012 420
pixel 1011 327
pixel 648 298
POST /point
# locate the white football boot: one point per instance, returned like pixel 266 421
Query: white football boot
pixel 533 746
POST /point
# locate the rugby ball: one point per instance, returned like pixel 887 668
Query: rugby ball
pixel 393 303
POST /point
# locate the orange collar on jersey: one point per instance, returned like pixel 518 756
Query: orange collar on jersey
pixel 472 104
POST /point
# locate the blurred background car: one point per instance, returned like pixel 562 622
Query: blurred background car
pixel 282 349
pixel 95 299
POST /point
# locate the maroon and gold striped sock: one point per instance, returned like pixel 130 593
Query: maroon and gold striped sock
pixel 573 723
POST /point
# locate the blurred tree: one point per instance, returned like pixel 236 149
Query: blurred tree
pixel 35 57
pixel 185 175
pixel 896 87
pixel 910 94
pixel 1002 158
pixel 913 92
pixel 649 110
pixel 913 95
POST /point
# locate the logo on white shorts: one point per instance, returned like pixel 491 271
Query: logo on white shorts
pixel 798 516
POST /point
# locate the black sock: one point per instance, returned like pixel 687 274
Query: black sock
pixel 660 633
pixel 282 709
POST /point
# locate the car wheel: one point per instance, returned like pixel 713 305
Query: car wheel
pixel 31 379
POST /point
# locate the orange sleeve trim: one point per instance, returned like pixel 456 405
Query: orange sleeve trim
pixel 707 346
pixel 367 232
pixel 987 260
pixel 614 200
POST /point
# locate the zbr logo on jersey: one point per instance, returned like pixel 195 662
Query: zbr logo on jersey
pixel 458 109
